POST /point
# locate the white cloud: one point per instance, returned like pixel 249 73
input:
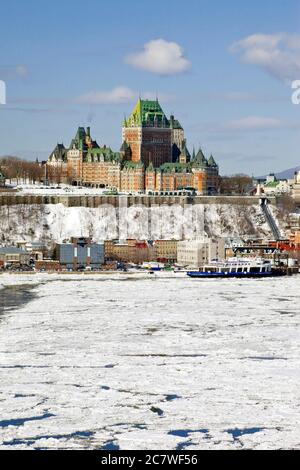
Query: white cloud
pixel 250 124
pixel 118 95
pixel 253 123
pixel 278 54
pixel 160 57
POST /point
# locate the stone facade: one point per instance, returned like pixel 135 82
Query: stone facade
pixel 165 250
pixel 153 158
pixel 129 251
pixel 140 251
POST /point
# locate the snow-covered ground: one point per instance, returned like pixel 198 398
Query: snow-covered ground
pixel 56 222
pixel 55 189
pixel 153 363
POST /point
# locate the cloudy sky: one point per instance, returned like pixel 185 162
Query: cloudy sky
pixel 223 68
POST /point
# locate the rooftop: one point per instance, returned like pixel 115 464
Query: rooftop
pixel 11 250
pixel 147 113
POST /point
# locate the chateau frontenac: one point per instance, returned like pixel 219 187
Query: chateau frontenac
pixel 153 158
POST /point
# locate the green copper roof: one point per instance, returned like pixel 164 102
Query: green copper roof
pixel 60 152
pixel 184 151
pixel 79 141
pixel 174 167
pixel 272 184
pixel 128 165
pixel 106 153
pixel 124 146
pixel 212 162
pixel 80 136
pixel 200 160
pixel 150 167
pixel 146 113
pixel 174 123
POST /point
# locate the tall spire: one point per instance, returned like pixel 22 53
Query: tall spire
pixel 212 162
pixel 200 159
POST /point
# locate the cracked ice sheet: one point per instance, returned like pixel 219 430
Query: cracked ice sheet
pixel 152 364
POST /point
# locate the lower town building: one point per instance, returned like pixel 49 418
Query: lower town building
pixel 80 253
pixel 165 251
pixel 273 186
pixel 197 253
pixel 12 255
pixel 295 238
pixel 129 251
pixel 48 265
pixel 141 251
pixel 296 188
pixel 37 250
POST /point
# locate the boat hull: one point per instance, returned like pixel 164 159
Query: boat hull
pixel 223 275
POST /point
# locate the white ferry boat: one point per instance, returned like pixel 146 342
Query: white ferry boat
pixel 238 268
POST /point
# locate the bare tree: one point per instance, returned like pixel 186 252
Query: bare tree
pixel 239 184
pixel 21 170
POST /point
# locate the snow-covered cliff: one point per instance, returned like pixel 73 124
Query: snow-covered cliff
pixel 54 223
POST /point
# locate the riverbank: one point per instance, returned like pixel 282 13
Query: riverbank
pixel 12 278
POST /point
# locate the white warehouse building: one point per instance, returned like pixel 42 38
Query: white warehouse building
pixel 199 252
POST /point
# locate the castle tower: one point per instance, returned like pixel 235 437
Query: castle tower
pixel 177 138
pixel 148 133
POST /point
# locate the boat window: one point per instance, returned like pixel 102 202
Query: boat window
pixel 255 270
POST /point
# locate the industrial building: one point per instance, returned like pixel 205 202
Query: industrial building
pixel 80 253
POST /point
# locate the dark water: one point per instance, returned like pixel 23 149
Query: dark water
pixel 15 296
pixel 21 421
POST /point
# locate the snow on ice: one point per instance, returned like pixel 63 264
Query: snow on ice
pixel 95 362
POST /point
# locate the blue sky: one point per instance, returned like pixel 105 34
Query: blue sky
pixel 223 68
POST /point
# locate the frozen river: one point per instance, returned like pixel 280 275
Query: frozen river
pixel 153 363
